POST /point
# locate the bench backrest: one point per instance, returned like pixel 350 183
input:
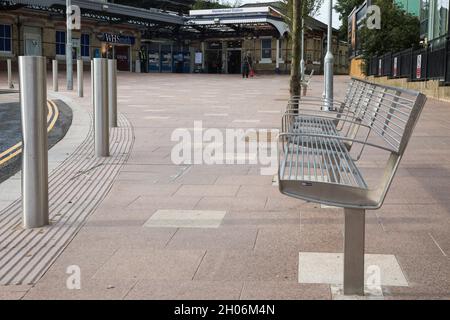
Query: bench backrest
pixel 391 113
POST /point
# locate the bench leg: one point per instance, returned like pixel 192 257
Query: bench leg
pixel 354 251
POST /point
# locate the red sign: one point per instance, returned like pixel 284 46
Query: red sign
pixel 419 67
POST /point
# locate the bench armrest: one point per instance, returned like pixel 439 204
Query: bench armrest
pixel 347 119
pixel 364 143
pixel 305 98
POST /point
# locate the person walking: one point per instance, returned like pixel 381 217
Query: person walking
pixel 247 65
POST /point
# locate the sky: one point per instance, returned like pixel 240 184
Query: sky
pixel 322 15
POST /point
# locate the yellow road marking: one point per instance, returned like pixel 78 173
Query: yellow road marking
pixel 52 110
pixel 49 112
pixel 12 155
pixel 55 118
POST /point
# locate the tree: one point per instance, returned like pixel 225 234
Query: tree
pixel 309 8
pixel 399 30
pixel 296 24
pixel 344 8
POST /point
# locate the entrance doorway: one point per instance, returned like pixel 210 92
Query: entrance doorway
pixel 234 61
pixel 213 57
pixel 123 58
pixel 213 61
pixel 121 54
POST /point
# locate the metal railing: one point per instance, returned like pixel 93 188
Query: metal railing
pixel 430 63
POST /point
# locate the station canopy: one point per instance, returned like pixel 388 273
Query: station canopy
pixel 180 6
pixel 236 22
pixel 103 12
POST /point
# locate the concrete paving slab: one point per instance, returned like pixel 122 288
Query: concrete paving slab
pixel 151 264
pixel 284 290
pixel 185 290
pixel 186 219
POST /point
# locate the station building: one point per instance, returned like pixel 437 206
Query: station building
pixel 155 40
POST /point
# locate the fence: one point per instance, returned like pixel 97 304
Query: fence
pixel 416 65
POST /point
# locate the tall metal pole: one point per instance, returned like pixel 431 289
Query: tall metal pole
pixel 302 60
pixel 329 62
pixel 69 66
pixel 9 67
pixel 55 75
pixel 112 92
pixel 101 118
pixel 92 83
pixel 80 76
pixel 33 100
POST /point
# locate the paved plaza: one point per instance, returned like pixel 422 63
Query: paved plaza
pixel 139 225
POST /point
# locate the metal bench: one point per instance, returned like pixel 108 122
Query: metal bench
pixel 319 153
pixel 344 117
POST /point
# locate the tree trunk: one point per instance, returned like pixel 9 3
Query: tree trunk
pixel 295 33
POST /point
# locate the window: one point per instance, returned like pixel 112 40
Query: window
pixel 60 43
pixel 5 38
pixel 266 49
pixel 85 52
pixel 439 9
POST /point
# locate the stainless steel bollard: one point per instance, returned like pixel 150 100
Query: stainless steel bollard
pixel 92 83
pixel 80 75
pixel 33 99
pixel 55 75
pixel 112 92
pixel 10 82
pixel 101 125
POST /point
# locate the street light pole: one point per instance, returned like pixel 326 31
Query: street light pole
pixel 302 60
pixel 69 66
pixel 329 62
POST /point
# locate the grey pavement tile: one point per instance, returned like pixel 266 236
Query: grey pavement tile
pixel 207 190
pixel 146 203
pixel 296 238
pixel 269 190
pixel 185 290
pixel 261 218
pixel 230 238
pixel 412 218
pixel 91 289
pixel 232 203
pixel 284 290
pixel 151 264
pixel 120 236
pixel 185 219
pixel 416 292
pixel 13 292
pixel 401 243
pixel 432 272
pixel 245 180
pixel 245 265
